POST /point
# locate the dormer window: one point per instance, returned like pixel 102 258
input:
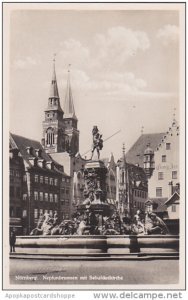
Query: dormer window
pixel 29 150
pixel 50 165
pixel 38 152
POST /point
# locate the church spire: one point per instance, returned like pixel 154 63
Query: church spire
pixel 69 111
pixel 54 89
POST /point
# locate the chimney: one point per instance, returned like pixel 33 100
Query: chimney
pixel 170 188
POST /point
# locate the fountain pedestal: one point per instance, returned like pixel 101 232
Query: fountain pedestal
pixel 95 206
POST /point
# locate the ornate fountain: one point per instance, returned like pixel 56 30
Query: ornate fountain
pixel 95 206
pixel 92 244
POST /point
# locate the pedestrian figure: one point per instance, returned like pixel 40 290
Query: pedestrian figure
pixel 12 241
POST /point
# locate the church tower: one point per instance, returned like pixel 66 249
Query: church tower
pixel 70 121
pixel 53 127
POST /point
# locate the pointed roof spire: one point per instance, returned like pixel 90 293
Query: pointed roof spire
pixel 142 130
pixel 54 89
pixel 174 121
pixel 123 150
pixel 69 104
pixel 174 114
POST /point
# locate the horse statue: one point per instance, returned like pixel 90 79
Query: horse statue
pixel 97 141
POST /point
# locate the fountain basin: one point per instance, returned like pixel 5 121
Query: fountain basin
pixel 96 246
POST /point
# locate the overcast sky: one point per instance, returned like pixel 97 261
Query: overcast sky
pixel 124 71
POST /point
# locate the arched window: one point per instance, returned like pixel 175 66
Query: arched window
pixel 50 136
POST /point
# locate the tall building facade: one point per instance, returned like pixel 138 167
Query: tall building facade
pixel 158 155
pixel 60 133
pixel 35 183
pixel 70 121
pixel 61 141
pixel 165 180
pixel 54 139
pixel 132 188
pixel 17 209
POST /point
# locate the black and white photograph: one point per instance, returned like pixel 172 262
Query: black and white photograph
pixel 94 146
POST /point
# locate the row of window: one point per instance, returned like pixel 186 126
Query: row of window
pixel 53 102
pixel 51 115
pixel 39 211
pixel 65 179
pixel 64 201
pixel 140 194
pixel 46 180
pixel 15 212
pixel 45 196
pixel 139 205
pixel 15 191
pixel 15 173
pixel 65 191
pixel 159 192
pixel 161 175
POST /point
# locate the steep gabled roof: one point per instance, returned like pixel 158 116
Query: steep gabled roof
pixel 53 88
pixel 135 155
pixel 174 198
pixel 22 143
pixel 136 174
pixel 69 111
pixel 158 204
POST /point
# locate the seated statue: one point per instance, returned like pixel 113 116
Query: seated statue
pixel 157 225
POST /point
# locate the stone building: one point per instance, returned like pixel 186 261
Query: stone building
pixel 39 182
pixel 135 155
pixel 17 211
pixel 132 189
pixel 165 180
pixel 60 133
pixel 61 141
pixel 158 155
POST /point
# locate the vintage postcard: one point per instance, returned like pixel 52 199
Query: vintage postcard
pixel 94 146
